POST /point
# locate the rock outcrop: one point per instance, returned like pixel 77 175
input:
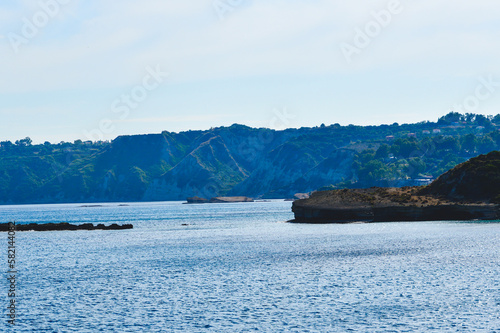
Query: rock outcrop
pixel 395 213
pixel 198 200
pixel 469 191
pixel 230 199
pixel 475 180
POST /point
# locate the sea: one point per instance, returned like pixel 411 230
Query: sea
pixel 240 267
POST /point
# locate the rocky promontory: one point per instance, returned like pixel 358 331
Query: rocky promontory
pixel 469 191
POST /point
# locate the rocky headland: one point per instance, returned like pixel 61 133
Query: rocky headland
pixel 469 191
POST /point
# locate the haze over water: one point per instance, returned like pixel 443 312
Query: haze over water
pixel 238 268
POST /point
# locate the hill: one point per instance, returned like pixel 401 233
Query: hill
pixel 241 161
pixel 477 180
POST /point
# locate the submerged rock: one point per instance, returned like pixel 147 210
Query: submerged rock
pixel 196 200
pixel 230 199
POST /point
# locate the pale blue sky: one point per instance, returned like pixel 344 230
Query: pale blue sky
pixel 240 61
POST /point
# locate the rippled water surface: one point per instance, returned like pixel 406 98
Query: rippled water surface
pixel 239 268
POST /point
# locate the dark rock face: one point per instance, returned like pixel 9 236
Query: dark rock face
pixel 196 200
pixel 475 180
pixel 396 214
pixel 64 226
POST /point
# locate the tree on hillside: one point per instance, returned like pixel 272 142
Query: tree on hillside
pixel 6 145
pixel 382 151
pixel 485 144
pixel 469 143
pixel 405 147
pixel 469 117
pixel 447 143
pixel 481 120
pixel 26 142
pixel 496 119
pixel 452 117
pixel 373 171
pixel 416 166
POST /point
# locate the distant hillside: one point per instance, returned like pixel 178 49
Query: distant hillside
pixel 241 161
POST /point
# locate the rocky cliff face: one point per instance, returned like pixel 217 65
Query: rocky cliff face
pixel 225 161
pixel 296 166
pixel 475 180
pixel 449 212
pixel 277 170
pixel 207 171
pixel 335 168
pixel 239 160
pixel 259 163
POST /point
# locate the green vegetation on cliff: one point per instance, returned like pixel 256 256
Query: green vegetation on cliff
pixel 239 160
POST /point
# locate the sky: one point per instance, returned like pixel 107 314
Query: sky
pixel 97 69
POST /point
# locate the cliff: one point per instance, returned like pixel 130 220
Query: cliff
pixel 468 191
pixel 225 161
pixel 236 161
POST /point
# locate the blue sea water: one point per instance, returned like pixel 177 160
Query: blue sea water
pixel 240 268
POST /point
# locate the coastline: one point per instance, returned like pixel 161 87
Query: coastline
pixel 387 205
pixel 396 214
pixel 64 226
